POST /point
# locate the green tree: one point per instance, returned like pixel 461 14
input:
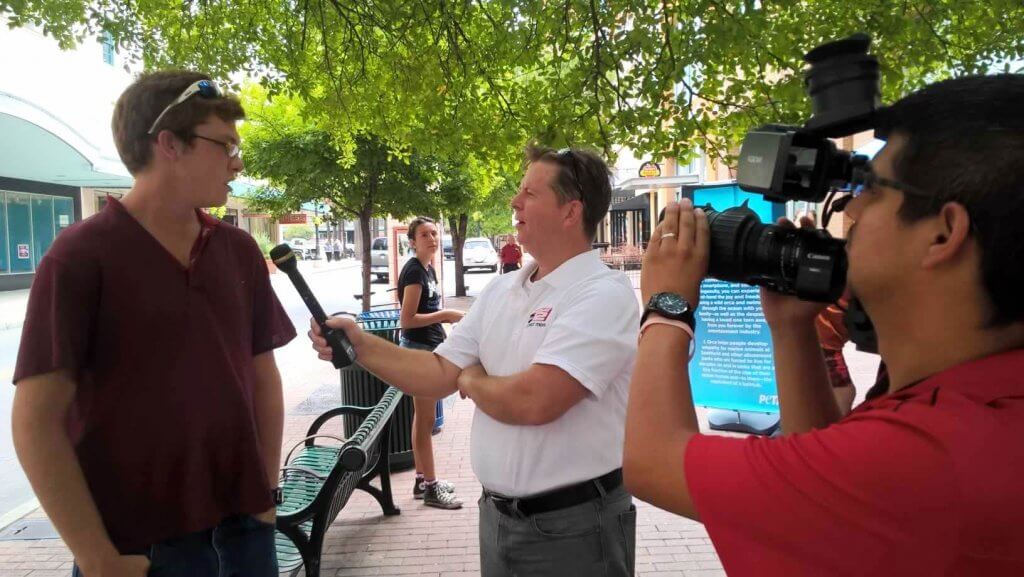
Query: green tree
pixel 661 77
pixel 303 231
pixel 303 160
pixel 469 187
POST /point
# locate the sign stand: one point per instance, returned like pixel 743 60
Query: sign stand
pixel 743 421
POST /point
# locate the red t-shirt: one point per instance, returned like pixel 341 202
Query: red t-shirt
pixel 924 481
pixel 510 254
pixel 162 420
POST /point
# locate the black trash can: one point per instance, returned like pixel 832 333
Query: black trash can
pixel 361 388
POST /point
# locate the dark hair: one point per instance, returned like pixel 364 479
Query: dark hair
pixel 965 144
pixel 415 223
pixel 583 176
pixel 142 102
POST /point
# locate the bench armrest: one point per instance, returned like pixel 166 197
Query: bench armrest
pixel 336 412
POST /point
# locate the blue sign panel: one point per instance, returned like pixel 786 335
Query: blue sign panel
pixel 733 366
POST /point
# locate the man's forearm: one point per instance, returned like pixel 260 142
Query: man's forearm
pixel 502 399
pixel 660 400
pixel 268 402
pixel 806 400
pixel 52 468
pixel 660 421
pixel 414 372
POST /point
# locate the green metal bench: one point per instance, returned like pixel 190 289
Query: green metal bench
pixel 317 481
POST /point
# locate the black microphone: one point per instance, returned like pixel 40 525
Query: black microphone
pixel 343 353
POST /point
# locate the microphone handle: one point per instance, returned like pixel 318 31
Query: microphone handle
pixel 342 351
pixel 307 297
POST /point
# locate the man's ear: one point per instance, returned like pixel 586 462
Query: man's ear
pixel 950 233
pixel 574 215
pixel 168 145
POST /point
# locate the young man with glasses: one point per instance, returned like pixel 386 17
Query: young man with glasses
pixel 148 413
pixel 924 477
pixel 545 353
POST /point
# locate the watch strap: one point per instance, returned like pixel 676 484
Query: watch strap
pixel 657 319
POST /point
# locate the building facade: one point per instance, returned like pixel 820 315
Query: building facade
pixel 57 156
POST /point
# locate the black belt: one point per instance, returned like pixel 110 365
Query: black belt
pixel 557 499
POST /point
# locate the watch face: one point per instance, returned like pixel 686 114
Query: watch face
pixel 672 304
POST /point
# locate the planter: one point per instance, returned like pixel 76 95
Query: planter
pixel 271 267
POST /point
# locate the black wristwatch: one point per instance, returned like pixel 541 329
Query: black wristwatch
pixel 670 306
pixel 277 495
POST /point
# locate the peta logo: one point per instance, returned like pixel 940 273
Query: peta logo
pixel 539 317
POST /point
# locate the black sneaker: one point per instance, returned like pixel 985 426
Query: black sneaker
pixel 419 487
pixel 435 496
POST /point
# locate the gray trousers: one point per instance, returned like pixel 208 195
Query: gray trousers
pixel 593 539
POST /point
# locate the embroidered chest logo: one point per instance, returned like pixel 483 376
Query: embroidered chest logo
pixel 539 317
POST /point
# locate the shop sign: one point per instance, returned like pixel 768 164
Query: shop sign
pixel 650 169
pixel 23 253
pixel 297 218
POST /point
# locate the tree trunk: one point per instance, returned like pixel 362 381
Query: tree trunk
pixel 364 233
pixel 458 228
pixel 316 232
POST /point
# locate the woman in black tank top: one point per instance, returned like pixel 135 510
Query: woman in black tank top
pixel 421 319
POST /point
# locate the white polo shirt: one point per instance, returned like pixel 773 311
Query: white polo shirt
pixel 581 317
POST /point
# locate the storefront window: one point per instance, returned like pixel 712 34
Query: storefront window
pixel 42 227
pixel 19 232
pixel 4 257
pixel 28 225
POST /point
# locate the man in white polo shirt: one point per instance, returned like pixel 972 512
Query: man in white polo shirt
pixel 546 354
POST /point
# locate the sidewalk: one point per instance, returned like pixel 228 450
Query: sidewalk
pixel 12 309
pixel 434 543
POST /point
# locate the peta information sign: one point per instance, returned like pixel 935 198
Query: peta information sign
pixel 733 366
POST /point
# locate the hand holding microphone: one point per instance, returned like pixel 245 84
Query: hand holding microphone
pixel 342 351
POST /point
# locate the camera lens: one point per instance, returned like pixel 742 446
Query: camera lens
pixel 807 263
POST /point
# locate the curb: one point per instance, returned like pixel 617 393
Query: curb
pixel 18 512
pixel 9 325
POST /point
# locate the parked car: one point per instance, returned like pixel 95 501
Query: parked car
pixel 478 252
pixel 379 256
pixel 447 248
pixel 303 248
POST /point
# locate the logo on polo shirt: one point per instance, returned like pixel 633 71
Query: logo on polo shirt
pixel 539 317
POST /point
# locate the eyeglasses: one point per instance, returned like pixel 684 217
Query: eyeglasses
pixel 568 155
pixel 868 179
pixel 229 147
pixel 204 88
pixel 865 178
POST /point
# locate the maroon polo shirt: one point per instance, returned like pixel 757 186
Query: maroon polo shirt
pixel 162 420
pixel 924 481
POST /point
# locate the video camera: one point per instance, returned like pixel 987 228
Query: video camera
pixel 801 163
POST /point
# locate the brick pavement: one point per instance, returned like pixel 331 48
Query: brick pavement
pixel 431 542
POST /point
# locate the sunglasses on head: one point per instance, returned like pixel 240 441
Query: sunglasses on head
pixel 567 154
pixel 204 88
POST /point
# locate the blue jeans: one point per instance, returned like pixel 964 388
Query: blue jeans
pixel 407 344
pixel 240 546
